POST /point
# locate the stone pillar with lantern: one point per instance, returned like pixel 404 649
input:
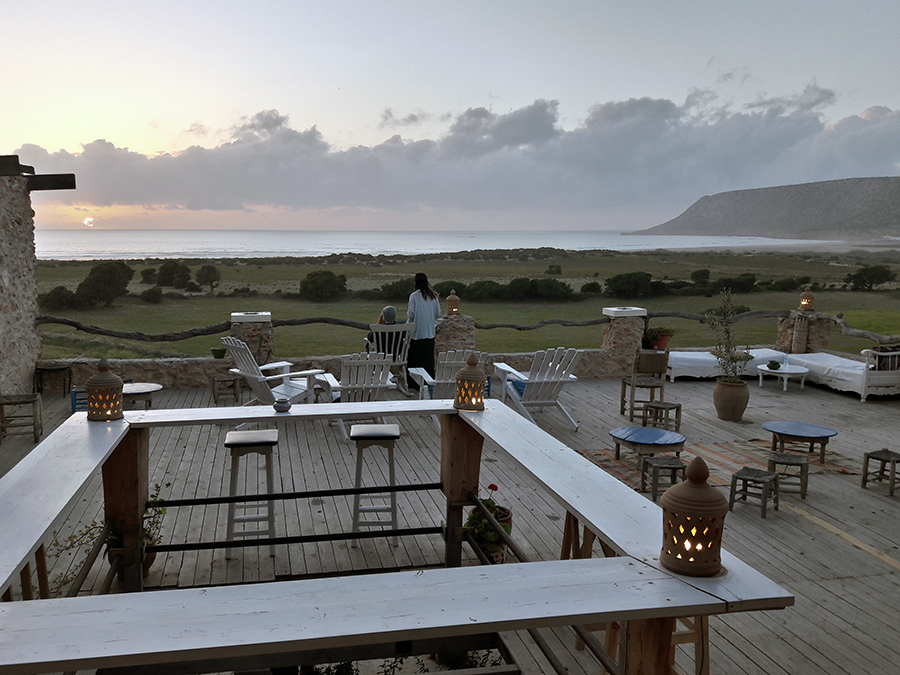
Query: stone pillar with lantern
pixel 804 330
pixel 454 330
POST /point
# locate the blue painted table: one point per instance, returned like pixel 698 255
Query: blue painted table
pixel 801 432
pixel 647 441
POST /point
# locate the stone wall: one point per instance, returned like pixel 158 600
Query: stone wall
pixel 20 344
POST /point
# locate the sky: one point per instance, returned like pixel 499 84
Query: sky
pixel 421 115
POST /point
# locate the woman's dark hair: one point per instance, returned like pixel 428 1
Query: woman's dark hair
pixel 423 287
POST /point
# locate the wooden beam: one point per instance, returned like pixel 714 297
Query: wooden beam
pixel 52 181
pixel 125 493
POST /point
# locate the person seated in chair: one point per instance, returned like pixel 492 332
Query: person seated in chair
pixel 393 341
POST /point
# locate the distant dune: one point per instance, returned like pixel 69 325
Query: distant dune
pixel 854 209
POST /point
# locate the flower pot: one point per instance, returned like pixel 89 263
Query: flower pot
pixel 218 352
pixel 661 342
pixel 504 517
pixel 730 400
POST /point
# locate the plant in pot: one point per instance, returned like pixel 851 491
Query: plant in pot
pixel 731 394
pixel 656 337
pixel 485 536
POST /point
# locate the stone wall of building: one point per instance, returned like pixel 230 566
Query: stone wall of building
pixel 20 344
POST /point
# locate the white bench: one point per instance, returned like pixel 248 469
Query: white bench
pixel 878 374
pixel 705 364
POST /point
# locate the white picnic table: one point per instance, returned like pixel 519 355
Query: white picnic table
pixel 212 625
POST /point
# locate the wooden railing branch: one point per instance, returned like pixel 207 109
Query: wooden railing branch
pixel 225 326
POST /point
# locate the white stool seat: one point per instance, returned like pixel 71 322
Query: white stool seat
pixel 383 435
pixel 240 443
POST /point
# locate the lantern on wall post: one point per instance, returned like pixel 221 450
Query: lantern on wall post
pixel 104 394
pixel 806 300
pixel 693 521
pixel 470 386
pixel 452 303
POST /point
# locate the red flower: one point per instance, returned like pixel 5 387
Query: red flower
pixel 492 487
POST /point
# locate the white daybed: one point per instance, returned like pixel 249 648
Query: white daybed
pixel 704 364
pixel 878 374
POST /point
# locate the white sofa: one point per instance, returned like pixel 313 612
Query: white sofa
pixel 878 374
pixel 704 364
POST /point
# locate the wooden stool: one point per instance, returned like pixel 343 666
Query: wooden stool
pixel 754 483
pixel 241 443
pixel 227 385
pixel 22 418
pixel 651 467
pixel 383 435
pixel 657 413
pixel 785 479
pixel 883 457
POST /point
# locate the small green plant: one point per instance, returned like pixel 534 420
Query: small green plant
pixel 732 359
pixel 487 538
pixel 654 333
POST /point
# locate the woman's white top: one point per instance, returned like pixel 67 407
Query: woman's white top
pixel 424 313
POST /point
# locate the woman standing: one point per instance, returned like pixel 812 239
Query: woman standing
pixel 424 310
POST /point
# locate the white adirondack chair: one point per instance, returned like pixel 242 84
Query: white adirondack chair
pixel 364 378
pixel 443 384
pixel 392 339
pixel 294 386
pixel 541 386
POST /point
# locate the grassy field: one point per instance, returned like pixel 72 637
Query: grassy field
pixel 876 311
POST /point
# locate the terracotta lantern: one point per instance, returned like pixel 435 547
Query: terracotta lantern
pixel 453 303
pixel 806 300
pixel 693 521
pixel 104 394
pixel 470 386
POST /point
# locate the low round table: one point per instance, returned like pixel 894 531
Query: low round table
pixel 647 441
pixel 784 372
pixel 801 432
pixel 140 391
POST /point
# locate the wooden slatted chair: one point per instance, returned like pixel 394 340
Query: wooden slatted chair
pixel 540 387
pixel 392 339
pixel 443 384
pixel 296 386
pixel 364 378
pixel 648 371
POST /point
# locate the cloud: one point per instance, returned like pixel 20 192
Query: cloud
pixel 635 154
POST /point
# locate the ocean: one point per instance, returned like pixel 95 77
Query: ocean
pixel 183 244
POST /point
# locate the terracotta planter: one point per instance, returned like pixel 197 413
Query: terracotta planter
pixel 661 342
pixel 730 400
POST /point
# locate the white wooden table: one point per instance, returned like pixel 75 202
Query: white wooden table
pixel 784 372
pixel 215 625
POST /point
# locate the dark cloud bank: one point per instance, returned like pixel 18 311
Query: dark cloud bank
pixel 640 152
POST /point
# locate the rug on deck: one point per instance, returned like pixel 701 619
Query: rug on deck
pixel 723 459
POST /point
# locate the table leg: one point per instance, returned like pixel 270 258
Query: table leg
pixel 784 382
pixel 760 378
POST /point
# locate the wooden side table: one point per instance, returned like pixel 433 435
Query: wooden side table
pixel 61 370
pixel 801 432
pixel 647 441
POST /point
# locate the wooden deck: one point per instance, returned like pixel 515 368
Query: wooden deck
pixel 837 551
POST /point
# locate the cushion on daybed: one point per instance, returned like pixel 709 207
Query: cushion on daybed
pixel 829 365
pixel 705 364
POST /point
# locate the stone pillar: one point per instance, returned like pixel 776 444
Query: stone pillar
pixel 622 336
pixel 454 332
pixel 803 331
pixel 20 342
pixel 255 328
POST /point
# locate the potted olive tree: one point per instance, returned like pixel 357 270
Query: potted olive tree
pixel 731 394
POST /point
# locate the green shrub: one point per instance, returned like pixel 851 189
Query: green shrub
pixel 60 298
pixel 152 295
pixel 323 285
